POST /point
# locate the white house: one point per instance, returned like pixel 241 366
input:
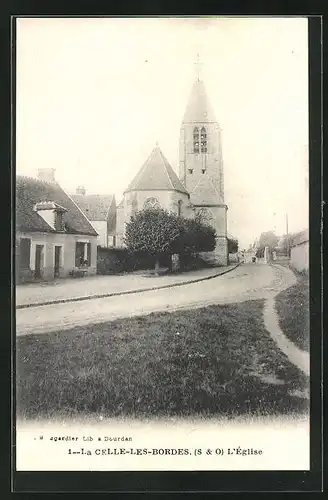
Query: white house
pixel 100 210
pixel 299 251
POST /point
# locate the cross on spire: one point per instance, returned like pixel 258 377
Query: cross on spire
pixel 198 66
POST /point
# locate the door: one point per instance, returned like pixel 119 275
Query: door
pixel 57 261
pixel 38 261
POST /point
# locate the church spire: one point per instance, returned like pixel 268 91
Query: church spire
pixel 198 108
pixel 198 66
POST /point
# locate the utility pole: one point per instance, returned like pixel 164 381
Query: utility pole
pixel 287 236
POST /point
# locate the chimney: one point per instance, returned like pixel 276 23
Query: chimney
pixel 80 190
pixel 46 174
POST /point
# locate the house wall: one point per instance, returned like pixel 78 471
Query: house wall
pixel 49 241
pixel 299 257
pixel 120 223
pixel 249 256
pixel 100 227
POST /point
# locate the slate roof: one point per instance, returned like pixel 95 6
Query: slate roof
pixel 205 192
pixel 299 238
pixel 94 206
pixel 199 107
pixel 30 191
pixel 156 174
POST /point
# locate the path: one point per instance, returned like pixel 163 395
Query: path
pixel 299 358
pixel 97 286
pixel 246 282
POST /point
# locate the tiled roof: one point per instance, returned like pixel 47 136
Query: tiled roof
pixel 299 238
pixel 198 108
pixel 94 206
pixel 156 174
pixel 30 192
pixel 205 192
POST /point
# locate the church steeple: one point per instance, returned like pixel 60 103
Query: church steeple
pixel 200 143
pixel 198 66
pixel 199 109
pixel 201 164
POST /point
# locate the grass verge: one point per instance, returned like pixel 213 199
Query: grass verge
pixel 214 361
pixel 292 306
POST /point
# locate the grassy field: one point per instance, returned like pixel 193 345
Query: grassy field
pixel 293 309
pixel 218 360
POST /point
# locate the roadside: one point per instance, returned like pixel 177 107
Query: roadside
pixel 246 282
pixel 218 360
pixel 292 306
pixel 70 290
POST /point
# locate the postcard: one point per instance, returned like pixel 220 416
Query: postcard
pixel 162 244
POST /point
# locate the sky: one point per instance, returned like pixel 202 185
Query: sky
pixel 95 95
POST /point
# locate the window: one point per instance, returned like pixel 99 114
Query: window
pixel 89 254
pixel 196 140
pixel 82 254
pixel 79 254
pixel 203 140
pixel 179 207
pixel 151 203
pixel 24 253
pixel 206 216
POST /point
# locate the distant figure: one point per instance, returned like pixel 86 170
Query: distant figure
pixel 253 259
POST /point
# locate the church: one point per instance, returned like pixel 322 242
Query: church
pixel 199 188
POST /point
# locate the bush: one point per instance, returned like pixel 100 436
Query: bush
pixel 160 233
pixel 77 273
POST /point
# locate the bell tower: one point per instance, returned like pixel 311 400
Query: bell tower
pixel 201 165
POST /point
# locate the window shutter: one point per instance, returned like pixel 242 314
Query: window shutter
pixel 77 255
pixel 89 254
pixel 24 253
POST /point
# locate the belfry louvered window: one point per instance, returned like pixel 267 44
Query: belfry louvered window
pixel 196 140
pixel 203 140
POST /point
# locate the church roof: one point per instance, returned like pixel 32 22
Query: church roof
pixel 95 206
pixel 198 107
pixel 205 192
pixel 31 192
pixel 156 174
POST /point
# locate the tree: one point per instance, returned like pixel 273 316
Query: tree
pixel 154 231
pixel 284 247
pixel 232 245
pixel 267 239
pixel 196 236
pixel 157 232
